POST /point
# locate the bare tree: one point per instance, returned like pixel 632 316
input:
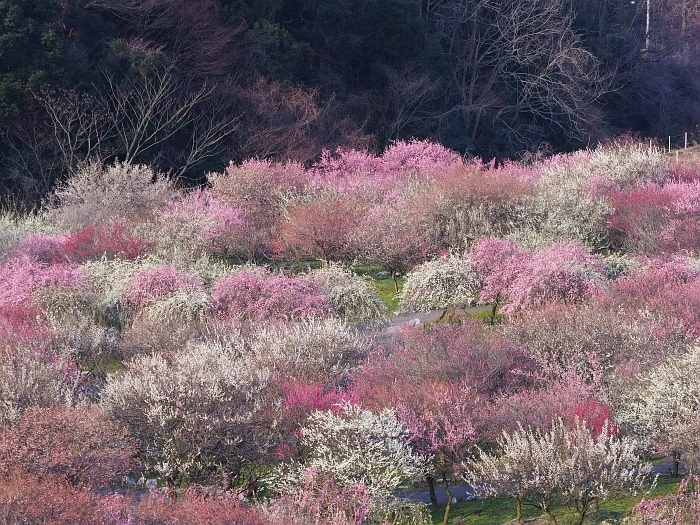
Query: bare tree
pixel 149 111
pixel 407 94
pixel 517 63
pixel 194 31
pixel 79 127
pixel 286 122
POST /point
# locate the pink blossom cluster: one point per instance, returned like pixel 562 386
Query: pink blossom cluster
pixel 561 273
pixel 351 170
pixel 92 242
pixel 214 221
pixel 253 295
pixel 22 275
pixel 148 286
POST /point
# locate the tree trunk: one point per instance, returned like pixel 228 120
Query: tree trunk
pixel 676 463
pixel 431 488
pixel 446 517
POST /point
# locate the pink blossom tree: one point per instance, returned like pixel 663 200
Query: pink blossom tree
pixel 105 240
pixel 675 509
pixel 81 446
pixel 255 296
pixel 498 263
pixel 665 291
pixel 261 189
pixel 21 276
pixel 198 223
pixel 321 228
pixel 562 273
pixel 441 420
pixel 442 383
pixel 656 218
pixel 392 235
pixel 148 286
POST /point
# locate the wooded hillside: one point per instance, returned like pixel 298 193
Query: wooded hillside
pixel 190 86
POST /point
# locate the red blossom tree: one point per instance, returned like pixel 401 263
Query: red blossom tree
pixel 81 446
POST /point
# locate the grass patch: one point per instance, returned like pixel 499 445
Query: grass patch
pixel 382 284
pixel 499 510
pixel 386 292
pixel 485 316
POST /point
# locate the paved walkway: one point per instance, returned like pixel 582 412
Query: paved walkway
pixel 396 321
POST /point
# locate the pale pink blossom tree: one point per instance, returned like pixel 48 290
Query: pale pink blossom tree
pixel 253 295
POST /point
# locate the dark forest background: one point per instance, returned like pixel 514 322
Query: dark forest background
pixel 189 86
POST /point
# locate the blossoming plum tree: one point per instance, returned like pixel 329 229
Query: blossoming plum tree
pixel 79 445
pixel 251 294
pixel 197 414
pixel 441 284
pixel 561 273
pixel 534 466
pixel 354 447
pixel 664 406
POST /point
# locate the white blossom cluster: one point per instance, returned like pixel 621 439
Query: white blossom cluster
pixel 665 404
pixel 193 410
pixel 442 283
pixel 354 446
pixel 573 464
pixel 350 295
pixel 97 194
pixel 313 348
pixel 28 379
pixel 15 227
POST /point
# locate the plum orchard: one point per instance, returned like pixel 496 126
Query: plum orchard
pixel 140 312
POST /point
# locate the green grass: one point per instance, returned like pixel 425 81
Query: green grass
pixel 485 316
pixel 384 286
pixel 499 510
pixel 386 292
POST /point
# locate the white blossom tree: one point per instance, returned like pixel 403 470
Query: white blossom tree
pixel 197 413
pixel 665 406
pixel 354 446
pixel 573 464
pixel 440 284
